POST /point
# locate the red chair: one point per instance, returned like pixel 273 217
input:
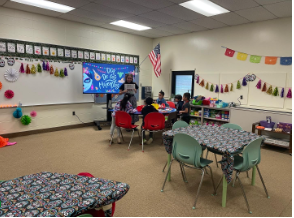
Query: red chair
pixel 171 104
pixel 153 122
pixel 124 120
pixel 93 212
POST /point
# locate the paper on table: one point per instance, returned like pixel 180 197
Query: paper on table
pixel 130 88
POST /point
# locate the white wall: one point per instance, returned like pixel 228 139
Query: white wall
pixel 21 25
pixel 202 51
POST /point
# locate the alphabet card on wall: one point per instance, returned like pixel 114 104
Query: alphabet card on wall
pixel 46 51
pixel 67 53
pixel 122 59
pixel 103 57
pixel 80 55
pixel 113 58
pixel 2 46
pixel 11 47
pixel 117 58
pixel 87 55
pixel 127 59
pixel 131 60
pixel 60 52
pixel 135 60
pixel 108 57
pixel 29 49
pixel 98 56
pixel 74 54
pixel 20 48
pixel 53 52
pixel 92 55
pixel 37 50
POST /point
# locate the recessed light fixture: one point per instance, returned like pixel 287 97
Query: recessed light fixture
pixel 46 5
pixel 205 7
pixel 130 25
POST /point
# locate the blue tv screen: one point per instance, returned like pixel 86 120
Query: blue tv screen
pixel 104 78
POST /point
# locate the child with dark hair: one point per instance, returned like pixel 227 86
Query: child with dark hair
pixel 178 99
pixel 146 110
pixel 186 109
pixel 161 99
pixel 122 105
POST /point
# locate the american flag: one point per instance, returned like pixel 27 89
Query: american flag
pixel 155 59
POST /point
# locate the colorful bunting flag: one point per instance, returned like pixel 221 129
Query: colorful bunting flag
pixel 255 59
pixel 242 56
pixel 229 52
pixel 286 60
pixel 271 60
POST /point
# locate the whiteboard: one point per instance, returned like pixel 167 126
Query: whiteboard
pixel 199 90
pixel 43 88
pixel 288 101
pixel 235 94
pixel 262 99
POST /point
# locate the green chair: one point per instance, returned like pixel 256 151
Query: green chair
pixel 250 159
pixel 227 125
pixel 180 124
pixel 187 151
pixel 85 215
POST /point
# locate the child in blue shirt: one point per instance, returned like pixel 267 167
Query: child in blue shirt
pixel 161 99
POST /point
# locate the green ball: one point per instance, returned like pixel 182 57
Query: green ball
pixel 25 120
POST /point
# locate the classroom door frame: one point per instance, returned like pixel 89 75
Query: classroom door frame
pixel 185 73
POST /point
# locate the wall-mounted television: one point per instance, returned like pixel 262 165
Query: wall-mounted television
pixel 104 78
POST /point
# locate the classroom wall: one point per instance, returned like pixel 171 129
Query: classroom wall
pixel 15 24
pixel 202 51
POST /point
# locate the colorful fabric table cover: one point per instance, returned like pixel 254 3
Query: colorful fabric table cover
pixel 224 140
pixel 57 194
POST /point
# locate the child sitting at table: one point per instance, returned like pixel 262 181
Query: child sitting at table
pixel 178 99
pixel 161 99
pixel 146 110
pixel 186 109
pixel 121 105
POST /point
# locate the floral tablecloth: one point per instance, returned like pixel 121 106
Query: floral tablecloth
pixel 224 140
pixel 57 194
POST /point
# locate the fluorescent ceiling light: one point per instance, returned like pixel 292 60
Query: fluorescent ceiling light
pixel 46 5
pixel 205 7
pixel 130 25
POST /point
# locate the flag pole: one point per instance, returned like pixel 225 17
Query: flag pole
pixel 143 60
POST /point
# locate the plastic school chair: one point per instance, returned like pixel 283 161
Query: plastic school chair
pixel 187 151
pixel 171 104
pixel 230 126
pixel 153 122
pixel 251 158
pixel 93 212
pixel 124 120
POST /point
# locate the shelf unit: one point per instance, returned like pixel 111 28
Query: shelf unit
pixel 210 118
pixel 260 131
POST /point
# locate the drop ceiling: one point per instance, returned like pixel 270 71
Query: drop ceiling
pixel 165 17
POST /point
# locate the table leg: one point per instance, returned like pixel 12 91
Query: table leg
pixel 168 163
pixel 253 175
pixel 224 196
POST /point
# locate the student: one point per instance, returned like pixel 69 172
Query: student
pixel 146 110
pixel 133 100
pixel 178 99
pixel 186 109
pixel 161 99
pixel 122 105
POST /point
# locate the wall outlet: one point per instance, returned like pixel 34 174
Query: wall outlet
pixel 241 97
pixel 73 113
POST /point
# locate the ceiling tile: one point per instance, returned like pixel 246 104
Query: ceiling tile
pixel 164 18
pixel 181 12
pixel 2 2
pixel 153 33
pixel 172 29
pixel 124 5
pixel 102 9
pixel 72 3
pixel 256 14
pixel 231 19
pixel 144 21
pixel 190 26
pixel 32 9
pixel 208 23
pixel 234 5
pixel 281 9
pixel 94 16
pixel 81 19
pixel 154 4
pixel 266 2
pixel 178 1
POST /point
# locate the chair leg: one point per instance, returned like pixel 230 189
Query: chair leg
pixel 183 172
pixel 164 167
pixel 111 138
pixel 212 178
pixel 142 141
pixel 216 160
pixel 262 182
pixel 197 195
pixel 207 153
pixel 235 180
pixel 121 135
pixel 218 184
pixel 167 175
pixel 131 140
pixel 243 192
pixel 247 174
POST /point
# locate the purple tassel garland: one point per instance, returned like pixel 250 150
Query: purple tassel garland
pixel 216 88
pixel 44 66
pixel 244 83
pixel 47 66
pixel 282 93
pixel 289 95
pixel 65 72
pixel 258 85
pixel 197 81
pixel 21 70
pixel 222 89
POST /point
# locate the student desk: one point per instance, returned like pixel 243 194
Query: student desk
pixel 224 140
pixel 57 194
pixel 159 110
